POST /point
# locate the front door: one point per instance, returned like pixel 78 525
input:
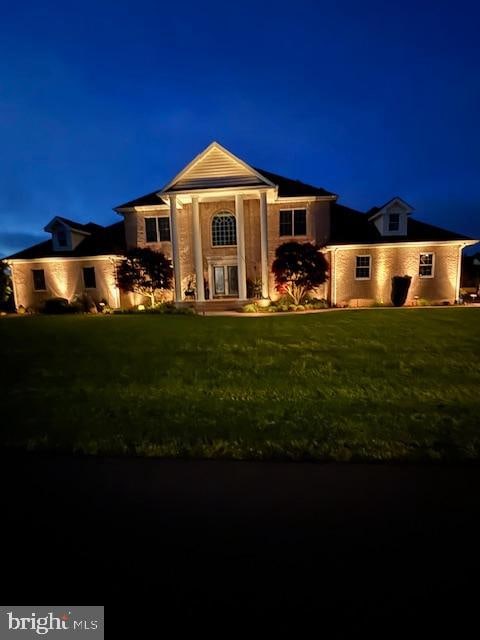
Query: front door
pixel 225 280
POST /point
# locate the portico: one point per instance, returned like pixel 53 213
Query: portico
pixel 219 269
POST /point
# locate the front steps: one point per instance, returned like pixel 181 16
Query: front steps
pixel 223 304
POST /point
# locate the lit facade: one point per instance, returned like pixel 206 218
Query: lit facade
pixel 221 220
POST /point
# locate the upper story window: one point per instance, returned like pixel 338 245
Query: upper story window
pixel 224 230
pixel 363 267
pixel 89 279
pixel 157 229
pixel 394 222
pixel 293 222
pixel 39 280
pixel 425 267
pixel 62 237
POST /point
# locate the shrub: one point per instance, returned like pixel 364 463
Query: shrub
pixel 400 287
pixel 250 308
pixel 84 302
pixel 59 306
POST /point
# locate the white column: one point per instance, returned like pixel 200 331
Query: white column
pixel 242 265
pixel 175 249
pixel 264 242
pixel 459 274
pixel 197 250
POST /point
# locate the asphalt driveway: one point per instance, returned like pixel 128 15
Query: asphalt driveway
pixel 203 539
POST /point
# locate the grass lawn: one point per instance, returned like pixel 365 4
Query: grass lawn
pixel 369 384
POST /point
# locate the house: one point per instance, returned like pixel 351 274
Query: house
pixel 220 221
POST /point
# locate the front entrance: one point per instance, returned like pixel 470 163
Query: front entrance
pixel 225 280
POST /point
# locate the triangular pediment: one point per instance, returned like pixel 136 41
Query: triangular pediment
pixel 214 168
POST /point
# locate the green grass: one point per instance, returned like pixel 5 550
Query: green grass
pixel 370 384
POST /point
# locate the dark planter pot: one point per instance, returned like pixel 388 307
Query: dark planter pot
pixel 400 287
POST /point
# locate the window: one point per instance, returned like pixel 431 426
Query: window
pixel 425 268
pixel 394 222
pixel 89 279
pixel 39 280
pixel 157 229
pixel 164 229
pixel 293 222
pixel 61 238
pixel 224 230
pixel 362 267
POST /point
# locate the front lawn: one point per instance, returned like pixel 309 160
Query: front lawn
pixel 369 384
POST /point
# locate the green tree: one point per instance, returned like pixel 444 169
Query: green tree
pixel 145 272
pixel 6 289
pixel 298 268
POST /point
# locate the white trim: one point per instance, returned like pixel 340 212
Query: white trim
pixel 426 253
pixel 61 258
pixel 286 199
pixel 395 200
pixel 333 275
pixel 459 274
pixel 223 213
pixel 48 227
pixel 202 154
pixel 419 243
pixel 363 255
pixel 221 261
pixel 293 234
pixel 231 191
pixel 157 241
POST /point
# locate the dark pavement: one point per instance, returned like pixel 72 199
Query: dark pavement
pixel 359 544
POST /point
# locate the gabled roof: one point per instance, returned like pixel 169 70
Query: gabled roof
pixel 151 199
pixel 374 212
pixel 90 227
pixel 293 188
pixel 349 226
pixel 102 241
pixel 216 167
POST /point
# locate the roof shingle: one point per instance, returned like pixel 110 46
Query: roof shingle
pixel 349 226
pixel 102 241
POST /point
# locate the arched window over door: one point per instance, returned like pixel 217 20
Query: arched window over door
pixel 224 229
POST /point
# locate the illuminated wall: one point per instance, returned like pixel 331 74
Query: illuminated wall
pixel 318 221
pixel 396 261
pixel 64 279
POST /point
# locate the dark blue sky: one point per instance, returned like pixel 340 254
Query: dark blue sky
pixel 101 102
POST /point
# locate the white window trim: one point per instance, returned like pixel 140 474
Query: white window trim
pixel 399 222
pixel 225 213
pixel 426 253
pixel 292 211
pixel 363 255
pixel 157 241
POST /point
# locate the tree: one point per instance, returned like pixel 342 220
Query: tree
pixel 5 283
pixel 299 268
pixel 145 272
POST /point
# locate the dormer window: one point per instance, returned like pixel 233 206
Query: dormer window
pixel 62 238
pixel 394 222
pixel 392 218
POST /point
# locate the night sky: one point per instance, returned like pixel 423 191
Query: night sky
pixel 101 102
